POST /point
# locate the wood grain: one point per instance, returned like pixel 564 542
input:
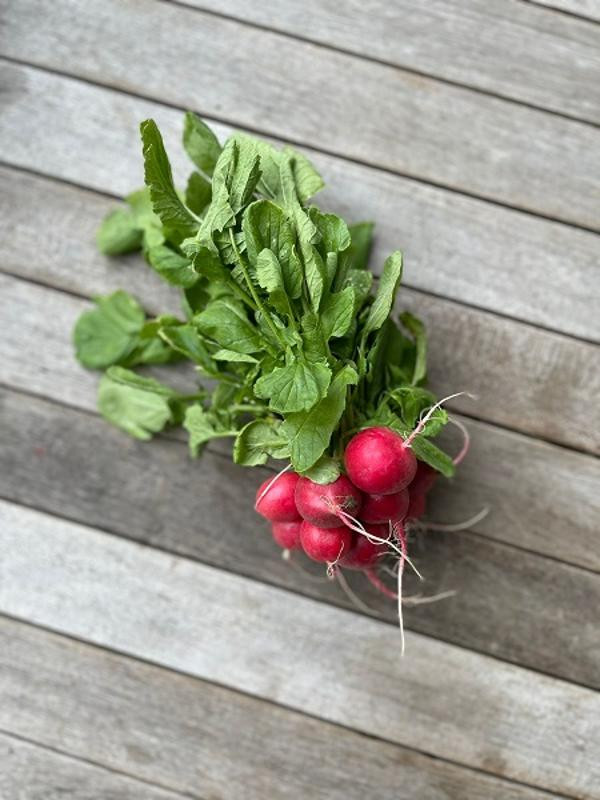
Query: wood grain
pixel 204 509
pixel 267 642
pixel 484 354
pixel 162 726
pixel 374 114
pixel 33 773
pixel 544 491
pixel 458 247
pixel 553 59
pixel 583 8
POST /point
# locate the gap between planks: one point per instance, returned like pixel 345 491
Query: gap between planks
pixel 45 365
pixel 426 112
pixel 32 770
pixel 571 8
pixel 137 600
pixel 299 30
pixel 46 467
pixel 455 254
pixel 171 716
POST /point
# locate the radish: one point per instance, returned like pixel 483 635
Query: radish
pixel 379 461
pixel 424 478
pixel 321 504
pixel 275 498
pixel 325 544
pixel 364 552
pixel 287 534
pixel 378 508
pixel 417 505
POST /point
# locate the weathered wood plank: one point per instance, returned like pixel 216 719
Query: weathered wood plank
pixel 382 116
pixel 161 726
pixel 275 645
pixel 31 773
pixel 553 59
pixel 583 8
pixel 453 245
pixel 204 509
pixel 535 381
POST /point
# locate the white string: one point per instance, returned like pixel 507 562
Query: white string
pixel 458 526
pixel 268 486
pixel 357 526
pixel 458 458
pixel 427 417
pixel 354 598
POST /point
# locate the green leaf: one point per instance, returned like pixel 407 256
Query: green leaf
pixel 309 432
pixel 173 267
pixel 337 313
pixel 159 179
pixel 198 193
pixel 200 143
pixel 109 333
pixel 308 235
pixel 119 233
pixel 326 470
pixel 416 327
pixel 231 355
pixel 227 323
pixel 203 426
pixel 238 170
pixel 139 406
pixel 257 441
pixel 270 278
pixel 186 340
pixel 140 203
pixel 314 342
pixel 270 160
pixel 335 236
pixel 295 387
pixel 362 239
pixel 361 281
pixel 386 293
pixel 266 226
pixel 151 351
pixel 431 454
pixel 306 178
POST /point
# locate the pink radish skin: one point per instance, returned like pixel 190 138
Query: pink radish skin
pixel 364 553
pixel 278 504
pixel 287 534
pixel 325 544
pixel 417 505
pixel 380 508
pixel 378 461
pixel 318 503
pixel 424 479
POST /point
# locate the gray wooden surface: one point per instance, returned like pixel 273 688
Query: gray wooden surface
pixel 153 644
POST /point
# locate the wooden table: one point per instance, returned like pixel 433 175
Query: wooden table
pixel 153 644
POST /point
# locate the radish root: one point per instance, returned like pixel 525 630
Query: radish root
pixel 422 422
pixel 269 485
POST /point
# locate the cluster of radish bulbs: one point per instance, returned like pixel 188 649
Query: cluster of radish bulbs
pixel 358 518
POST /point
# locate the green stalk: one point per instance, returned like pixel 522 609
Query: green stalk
pixel 253 292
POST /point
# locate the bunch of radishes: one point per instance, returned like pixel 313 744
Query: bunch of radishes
pixel 355 520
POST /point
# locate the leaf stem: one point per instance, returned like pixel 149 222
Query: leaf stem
pixel 253 292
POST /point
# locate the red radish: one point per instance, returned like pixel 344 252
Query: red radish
pixel 378 461
pixel 325 544
pixel 416 507
pixel 364 553
pixel 384 507
pixel 287 534
pixel 424 478
pixel 319 503
pixel 275 498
